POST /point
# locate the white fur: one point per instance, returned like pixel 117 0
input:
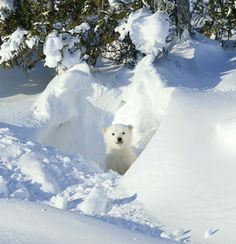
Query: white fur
pixel 119 156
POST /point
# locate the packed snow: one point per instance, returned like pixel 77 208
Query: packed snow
pixel 181 187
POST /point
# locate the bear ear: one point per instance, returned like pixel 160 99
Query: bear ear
pixel 130 127
pixel 104 130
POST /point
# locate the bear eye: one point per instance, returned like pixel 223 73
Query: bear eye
pixel 113 134
pixel 123 133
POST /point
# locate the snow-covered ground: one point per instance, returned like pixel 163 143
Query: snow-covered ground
pixel 25 222
pixel 184 118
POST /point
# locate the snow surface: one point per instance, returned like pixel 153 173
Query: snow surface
pixel 191 156
pixel 185 176
pixel 181 107
pixel 34 172
pixel 25 222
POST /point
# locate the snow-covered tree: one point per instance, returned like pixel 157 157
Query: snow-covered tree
pixel 64 32
pixel 65 20
pixel 214 18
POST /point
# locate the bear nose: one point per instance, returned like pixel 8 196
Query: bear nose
pixel 119 139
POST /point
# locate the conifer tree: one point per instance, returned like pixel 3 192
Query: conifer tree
pixel 40 18
pixel 215 18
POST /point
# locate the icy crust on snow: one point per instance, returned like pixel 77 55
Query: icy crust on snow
pixel 186 175
pixel 147 31
pixel 35 172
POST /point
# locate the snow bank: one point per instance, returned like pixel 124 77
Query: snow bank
pixel 195 63
pixel 139 25
pixel 185 176
pixel 146 100
pixel 67 118
pixel 24 222
pixel 228 82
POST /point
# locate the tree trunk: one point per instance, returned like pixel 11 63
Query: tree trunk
pixel 183 16
pixel 51 6
pixel 156 5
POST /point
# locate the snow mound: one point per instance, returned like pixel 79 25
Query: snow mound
pixel 63 110
pixel 147 99
pixel 139 25
pixel 73 101
pixel 190 162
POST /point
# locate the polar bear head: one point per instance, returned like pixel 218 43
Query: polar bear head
pixel 118 136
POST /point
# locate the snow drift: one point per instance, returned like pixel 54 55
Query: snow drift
pixel 68 119
pixel 25 222
pixel 186 176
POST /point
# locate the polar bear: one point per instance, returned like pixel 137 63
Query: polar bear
pixel 119 154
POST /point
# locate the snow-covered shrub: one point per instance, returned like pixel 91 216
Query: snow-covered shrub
pixel 67 32
pixel 15 45
pixel 5 6
pixel 61 51
pixel 11 45
pixel 147 31
pixel 85 30
pixel 214 19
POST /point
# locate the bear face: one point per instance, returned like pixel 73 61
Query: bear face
pixel 118 136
